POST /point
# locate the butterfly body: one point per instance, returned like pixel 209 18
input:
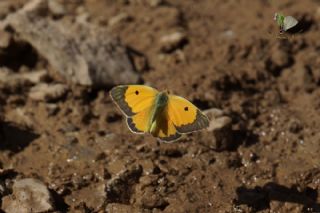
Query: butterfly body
pixel 158 109
pixel 163 115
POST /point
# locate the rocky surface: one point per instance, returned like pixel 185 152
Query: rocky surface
pixel 65 147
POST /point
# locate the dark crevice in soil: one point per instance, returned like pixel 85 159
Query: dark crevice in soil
pixel 18 54
pixel 260 197
pixel 276 69
pixel 202 104
pixel 59 202
pixel 14 138
pixel 89 95
pixel 111 118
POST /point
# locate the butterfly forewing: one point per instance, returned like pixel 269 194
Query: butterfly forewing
pixel 132 99
pixel 185 116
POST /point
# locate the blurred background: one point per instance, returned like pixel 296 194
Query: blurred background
pixel 65 147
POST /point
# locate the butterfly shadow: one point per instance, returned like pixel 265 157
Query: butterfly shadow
pixel 14 138
pixel 138 60
pixel 259 198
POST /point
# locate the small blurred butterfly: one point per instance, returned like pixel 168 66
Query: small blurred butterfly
pixel 285 22
pixel 150 111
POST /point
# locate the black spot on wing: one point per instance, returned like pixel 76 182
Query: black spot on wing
pixel 200 122
pixel 118 96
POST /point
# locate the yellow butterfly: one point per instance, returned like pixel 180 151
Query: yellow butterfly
pixel 150 111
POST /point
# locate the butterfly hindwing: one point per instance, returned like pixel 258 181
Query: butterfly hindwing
pixel 185 116
pixel 132 99
pixel 139 122
pixel 165 130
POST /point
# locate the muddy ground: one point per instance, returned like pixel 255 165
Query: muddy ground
pixel 226 55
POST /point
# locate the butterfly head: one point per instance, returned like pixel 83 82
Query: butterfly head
pixel 162 98
pixel 167 92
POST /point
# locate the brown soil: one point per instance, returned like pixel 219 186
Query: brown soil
pixel 232 59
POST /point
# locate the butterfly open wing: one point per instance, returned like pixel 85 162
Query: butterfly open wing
pixel 132 99
pixel 179 116
pixel 185 116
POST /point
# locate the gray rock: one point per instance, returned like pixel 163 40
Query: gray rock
pixel 81 53
pixel 217 119
pixel 219 130
pixel 29 195
pixel 47 92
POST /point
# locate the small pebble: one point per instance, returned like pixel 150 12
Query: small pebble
pixel 173 41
